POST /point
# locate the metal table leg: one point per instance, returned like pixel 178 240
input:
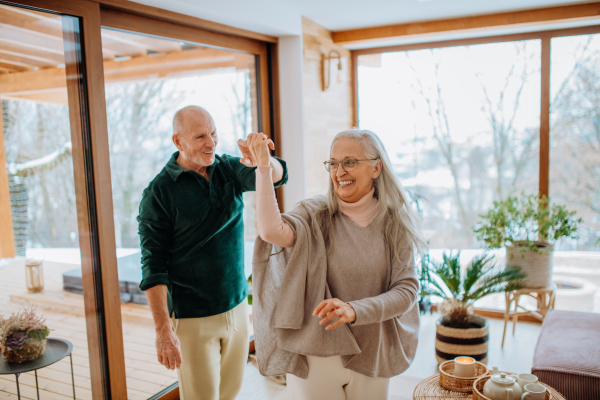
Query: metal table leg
pixel 18 391
pixel 72 375
pixel 37 388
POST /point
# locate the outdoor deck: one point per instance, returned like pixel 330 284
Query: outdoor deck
pixel 64 314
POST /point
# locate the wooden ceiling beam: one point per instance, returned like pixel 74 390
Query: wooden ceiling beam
pixel 24 61
pixel 141 41
pixel 31 53
pixel 489 21
pixel 30 39
pixel 171 64
pixel 50 24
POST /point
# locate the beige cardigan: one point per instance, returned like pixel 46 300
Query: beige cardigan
pixel 288 283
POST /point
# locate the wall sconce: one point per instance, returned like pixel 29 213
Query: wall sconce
pixel 326 70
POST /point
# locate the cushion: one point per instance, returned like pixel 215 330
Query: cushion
pixel 567 354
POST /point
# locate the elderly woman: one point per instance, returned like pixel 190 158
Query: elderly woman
pixel 334 280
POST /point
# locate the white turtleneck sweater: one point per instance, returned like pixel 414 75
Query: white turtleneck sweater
pixel 273 229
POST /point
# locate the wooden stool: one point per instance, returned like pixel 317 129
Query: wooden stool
pixel 545 297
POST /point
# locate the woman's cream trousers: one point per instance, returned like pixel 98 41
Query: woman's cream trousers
pixel 329 380
pixel 214 352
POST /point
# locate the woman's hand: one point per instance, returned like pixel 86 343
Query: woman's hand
pixel 331 308
pixel 256 150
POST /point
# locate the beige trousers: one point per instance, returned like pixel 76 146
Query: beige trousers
pixel 329 380
pixel 214 352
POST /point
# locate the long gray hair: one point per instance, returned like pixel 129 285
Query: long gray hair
pixel 402 226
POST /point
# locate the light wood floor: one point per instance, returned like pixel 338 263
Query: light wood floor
pixel 64 314
pixel 146 377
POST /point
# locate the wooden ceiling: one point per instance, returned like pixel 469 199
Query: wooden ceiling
pixel 32 57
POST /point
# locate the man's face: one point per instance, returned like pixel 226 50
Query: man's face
pixel 198 138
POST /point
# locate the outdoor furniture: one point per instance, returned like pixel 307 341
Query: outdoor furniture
pixel 56 350
pixel 567 354
pixel 545 298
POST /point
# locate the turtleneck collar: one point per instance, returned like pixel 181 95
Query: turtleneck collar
pixel 362 212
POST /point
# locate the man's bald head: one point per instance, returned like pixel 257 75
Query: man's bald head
pixel 195 136
pixel 193 117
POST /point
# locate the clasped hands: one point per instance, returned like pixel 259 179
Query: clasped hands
pixel 255 150
pixel 328 309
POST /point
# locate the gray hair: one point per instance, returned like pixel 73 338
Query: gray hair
pixel 402 226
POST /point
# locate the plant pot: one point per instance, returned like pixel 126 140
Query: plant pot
pixel 453 342
pixel 537 266
pixel 34 348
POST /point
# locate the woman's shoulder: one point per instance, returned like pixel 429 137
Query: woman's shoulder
pixel 308 208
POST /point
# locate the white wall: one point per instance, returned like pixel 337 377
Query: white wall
pixel 292 118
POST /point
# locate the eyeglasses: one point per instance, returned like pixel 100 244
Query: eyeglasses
pixel 348 164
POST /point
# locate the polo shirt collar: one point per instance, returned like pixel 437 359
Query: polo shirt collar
pixel 174 169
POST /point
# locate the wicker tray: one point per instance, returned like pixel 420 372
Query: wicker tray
pixel 453 383
pixel 430 389
pixel 551 394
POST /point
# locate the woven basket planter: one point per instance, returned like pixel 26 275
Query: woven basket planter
pixel 452 342
pixel 537 266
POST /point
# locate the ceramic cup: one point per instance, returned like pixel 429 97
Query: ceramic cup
pixel 464 367
pixel 534 391
pixel 524 379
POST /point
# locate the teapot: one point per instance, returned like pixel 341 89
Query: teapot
pixel 502 386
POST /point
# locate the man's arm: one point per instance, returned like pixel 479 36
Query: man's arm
pixel 168 349
pixel 277 169
pixel 155 230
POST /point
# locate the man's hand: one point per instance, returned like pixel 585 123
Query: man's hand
pixel 331 308
pixel 167 348
pixel 249 159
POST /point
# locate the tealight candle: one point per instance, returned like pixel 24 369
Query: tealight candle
pixel 464 367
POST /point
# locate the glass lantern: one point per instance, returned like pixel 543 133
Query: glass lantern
pixel 34 275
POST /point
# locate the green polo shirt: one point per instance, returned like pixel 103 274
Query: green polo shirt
pixel 192 235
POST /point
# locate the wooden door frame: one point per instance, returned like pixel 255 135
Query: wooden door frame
pixel 91 165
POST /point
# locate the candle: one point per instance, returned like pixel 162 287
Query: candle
pixel 464 367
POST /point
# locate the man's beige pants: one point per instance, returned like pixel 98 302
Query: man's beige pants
pixel 214 352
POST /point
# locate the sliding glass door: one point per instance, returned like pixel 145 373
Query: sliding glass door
pixel 50 233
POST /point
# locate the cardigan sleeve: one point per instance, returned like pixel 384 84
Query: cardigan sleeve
pixel 400 298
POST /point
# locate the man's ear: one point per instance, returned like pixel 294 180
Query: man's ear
pixel 176 141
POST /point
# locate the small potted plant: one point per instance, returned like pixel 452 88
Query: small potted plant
pixel 459 331
pixel 527 226
pixel 23 336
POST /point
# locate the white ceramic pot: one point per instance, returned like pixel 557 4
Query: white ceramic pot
pixel 502 386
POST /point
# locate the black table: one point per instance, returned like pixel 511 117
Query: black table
pixel 56 350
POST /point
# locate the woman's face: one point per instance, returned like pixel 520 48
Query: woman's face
pixel 354 185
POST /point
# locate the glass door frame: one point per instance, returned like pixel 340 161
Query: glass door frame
pixel 92 163
pixel 87 113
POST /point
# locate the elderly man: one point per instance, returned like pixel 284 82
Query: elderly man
pixel 192 239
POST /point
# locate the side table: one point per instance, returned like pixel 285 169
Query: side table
pixel 545 297
pixel 56 350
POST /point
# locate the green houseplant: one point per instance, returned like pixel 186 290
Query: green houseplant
pixel 459 332
pixel 527 226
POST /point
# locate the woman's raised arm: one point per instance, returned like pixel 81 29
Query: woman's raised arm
pixel 271 226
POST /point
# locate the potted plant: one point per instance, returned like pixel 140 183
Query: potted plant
pixel 23 336
pixel 459 331
pixel 527 226
pixel 424 300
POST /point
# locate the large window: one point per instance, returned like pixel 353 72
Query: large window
pixel 461 125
